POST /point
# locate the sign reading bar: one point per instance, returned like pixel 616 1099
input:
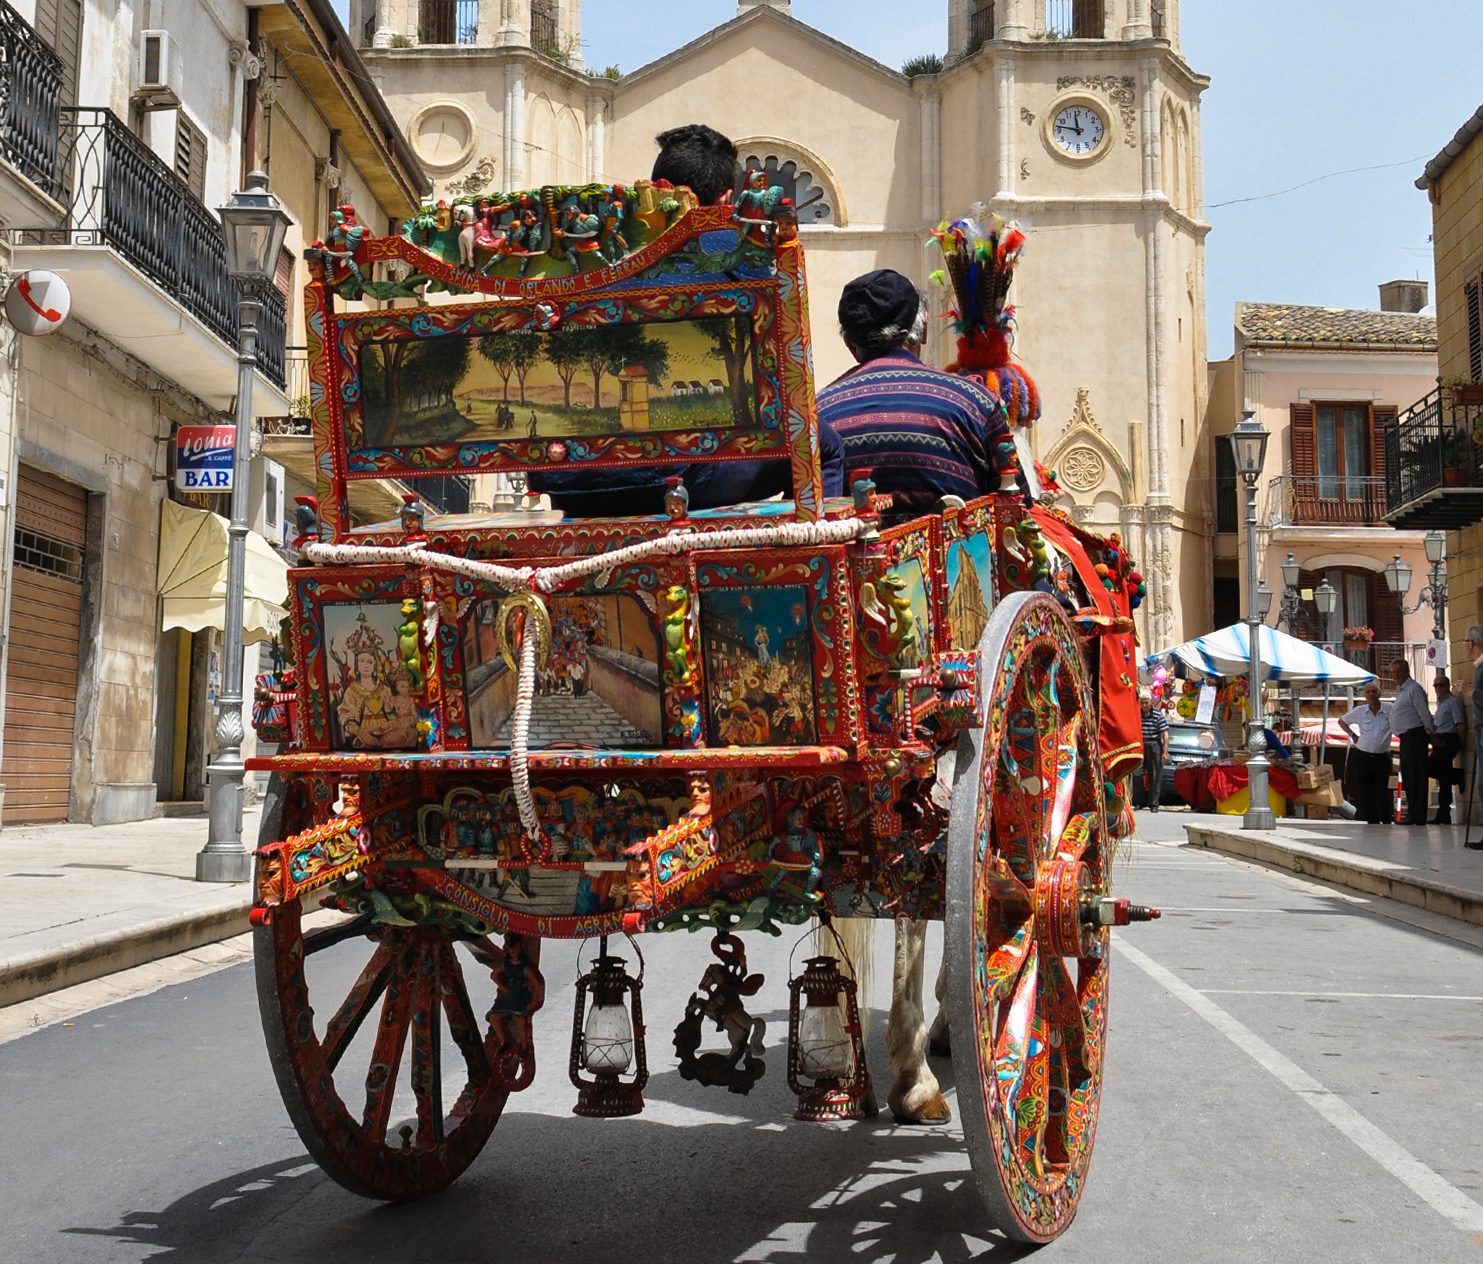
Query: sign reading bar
pixel 203 458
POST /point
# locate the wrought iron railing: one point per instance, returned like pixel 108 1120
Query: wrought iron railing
pixel 1322 500
pixel 1073 19
pixel 448 21
pixel 545 35
pixel 446 493
pixel 30 103
pixel 1435 445
pixel 980 27
pixel 125 197
pixel 296 387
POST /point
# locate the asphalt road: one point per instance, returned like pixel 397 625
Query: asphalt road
pixel 1293 1074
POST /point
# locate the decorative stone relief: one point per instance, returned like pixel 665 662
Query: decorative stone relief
pixel 1082 469
pixel 1026 117
pixel 1121 90
pixel 476 181
pixel 327 173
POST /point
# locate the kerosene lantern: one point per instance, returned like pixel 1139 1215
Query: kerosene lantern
pixel 826 1051
pixel 608 1039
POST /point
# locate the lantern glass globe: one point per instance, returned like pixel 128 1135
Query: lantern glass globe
pixel 1398 576
pixel 824 1048
pixel 607 1040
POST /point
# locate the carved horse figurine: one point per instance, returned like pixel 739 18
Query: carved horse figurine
pixel 719 1000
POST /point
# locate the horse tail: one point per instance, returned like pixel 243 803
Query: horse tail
pixel 857 934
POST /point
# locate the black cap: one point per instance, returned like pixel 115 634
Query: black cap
pixel 875 301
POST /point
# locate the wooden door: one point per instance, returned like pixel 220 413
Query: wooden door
pixel 45 631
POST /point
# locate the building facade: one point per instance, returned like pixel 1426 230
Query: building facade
pixel 1327 384
pixel 1078 117
pixel 142 121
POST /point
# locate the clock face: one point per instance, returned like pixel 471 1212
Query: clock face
pixel 1079 130
pixel 442 136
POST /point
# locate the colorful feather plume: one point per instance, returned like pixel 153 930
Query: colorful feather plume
pixel 979 268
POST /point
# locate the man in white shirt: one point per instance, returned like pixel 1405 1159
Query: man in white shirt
pixel 1451 730
pixel 1411 721
pixel 1369 755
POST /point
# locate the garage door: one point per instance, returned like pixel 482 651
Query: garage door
pixel 45 622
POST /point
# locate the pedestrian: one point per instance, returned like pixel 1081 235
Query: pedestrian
pixel 1451 727
pixel 1155 751
pixel 534 428
pixel 1369 755
pixel 1474 692
pixel 1411 721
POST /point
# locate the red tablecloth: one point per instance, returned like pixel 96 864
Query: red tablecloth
pixel 1201 786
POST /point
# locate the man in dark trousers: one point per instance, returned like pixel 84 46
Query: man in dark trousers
pixel 1411 721
pixel 1155 752
pixel 1473 692
pixel 1451 728
pixel 1368 766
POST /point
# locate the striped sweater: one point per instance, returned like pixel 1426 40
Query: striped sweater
pixel 924 433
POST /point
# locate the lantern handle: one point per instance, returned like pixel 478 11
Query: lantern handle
pixel 844 955
pixel 638 952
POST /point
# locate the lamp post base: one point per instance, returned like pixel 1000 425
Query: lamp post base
pixel 1259 814
pixel 224 858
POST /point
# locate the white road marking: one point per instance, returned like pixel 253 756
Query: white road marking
pixel 1379 996
pixel 1445 1198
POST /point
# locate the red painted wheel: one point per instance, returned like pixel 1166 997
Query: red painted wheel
pixel 413 1002
pixel 1027 996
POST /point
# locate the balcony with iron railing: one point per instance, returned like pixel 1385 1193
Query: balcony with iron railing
pixel 1324 500
pixel 30 104
pixel 124 203
pixel 980 27
pixel 545 30
pixel 1434 461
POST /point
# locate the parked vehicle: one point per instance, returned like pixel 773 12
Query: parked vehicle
pixel 1190 744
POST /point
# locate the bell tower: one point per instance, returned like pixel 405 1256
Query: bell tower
pixel 1081 120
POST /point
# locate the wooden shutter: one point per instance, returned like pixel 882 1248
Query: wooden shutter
pixel 41 684
pixel 1386 619
pixel 284 275
pixel 1304 441
pixel 59 23
pixel 1382 417
pixel 1473 294
pixel 190 155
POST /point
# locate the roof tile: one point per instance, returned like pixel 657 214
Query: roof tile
pixel 1285 324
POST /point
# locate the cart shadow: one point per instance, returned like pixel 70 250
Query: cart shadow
pixel 704 1177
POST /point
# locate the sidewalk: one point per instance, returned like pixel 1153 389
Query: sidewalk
pixel 78 902
pixel 1426 867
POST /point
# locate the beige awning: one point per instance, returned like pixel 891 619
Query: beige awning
pixel 193 575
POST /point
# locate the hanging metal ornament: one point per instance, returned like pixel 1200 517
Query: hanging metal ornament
pixel 826 1048
pixel 608 1039
pixel 719 1000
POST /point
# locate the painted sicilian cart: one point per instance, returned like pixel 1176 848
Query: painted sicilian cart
pixel 503 728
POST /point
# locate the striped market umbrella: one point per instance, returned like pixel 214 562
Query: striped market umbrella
pixel 1286 659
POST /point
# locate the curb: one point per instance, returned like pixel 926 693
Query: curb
pixel 1345 869
pixel 80 960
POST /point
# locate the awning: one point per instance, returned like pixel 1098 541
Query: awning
pixel 193 575
pixel 1285 659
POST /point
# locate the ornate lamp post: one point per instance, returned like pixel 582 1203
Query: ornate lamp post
pixel 254 226
pixel 1249 440
pixel 1398 580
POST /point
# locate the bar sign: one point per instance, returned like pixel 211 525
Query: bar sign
pixel 203 458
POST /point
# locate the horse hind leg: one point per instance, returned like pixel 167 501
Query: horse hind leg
pixel 915 1095
pixel 939 1039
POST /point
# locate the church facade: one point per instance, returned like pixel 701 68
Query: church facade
pixel 1078 118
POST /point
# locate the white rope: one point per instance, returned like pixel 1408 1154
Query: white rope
pixel 547 579
pixel 520 735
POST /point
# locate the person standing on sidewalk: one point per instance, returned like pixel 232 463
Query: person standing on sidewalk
pixel 1369 755
pixel 1451 729
pixel 1411 721
pixel 1474 692
pixel 1155 750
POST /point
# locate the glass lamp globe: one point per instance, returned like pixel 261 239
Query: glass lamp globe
pixel 1326 598
pixel 1263 599
pixel 1249 442
pixel 1398 576
pixel 1291 572
pixel 825 1051
pixel 1436 547
pixel 607 1039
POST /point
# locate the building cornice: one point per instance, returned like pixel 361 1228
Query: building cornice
pixel 1059 49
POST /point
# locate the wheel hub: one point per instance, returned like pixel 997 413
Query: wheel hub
pixel 1062 893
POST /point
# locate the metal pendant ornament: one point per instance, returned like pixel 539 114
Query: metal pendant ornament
pixel 608 1040
pixel 719 1000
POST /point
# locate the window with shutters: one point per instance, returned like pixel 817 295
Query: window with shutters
pixel 190 155
pixel 283 276
pixel 1226 503
pixel 59 23
pixel 1338 463
pixel 1472 292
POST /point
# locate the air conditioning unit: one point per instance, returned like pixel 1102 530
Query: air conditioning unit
pixel 161 71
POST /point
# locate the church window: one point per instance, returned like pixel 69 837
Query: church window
pixel 1073 19
pixel 447 21
pixel 545 29
pixel 1159 19
pixel 809 192
pixel 980 26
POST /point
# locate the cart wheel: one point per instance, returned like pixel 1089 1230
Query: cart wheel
pixel 414 973
pixel 1027 980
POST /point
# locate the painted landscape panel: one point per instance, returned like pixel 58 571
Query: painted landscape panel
pixel 578 380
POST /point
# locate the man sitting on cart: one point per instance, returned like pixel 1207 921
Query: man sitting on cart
pixel 706 163
pixel 921 433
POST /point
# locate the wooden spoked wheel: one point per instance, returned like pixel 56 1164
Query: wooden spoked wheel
pixel 1027 974
pixel 411 988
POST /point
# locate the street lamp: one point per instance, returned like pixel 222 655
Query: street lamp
pixel 253 227
pixel 1398 580
pixel 1291 572
pixel 1249 443
pixel 1326 598
pixel 1263 600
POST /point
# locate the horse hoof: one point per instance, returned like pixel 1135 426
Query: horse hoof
pixel 940 1046
pixel 933 1110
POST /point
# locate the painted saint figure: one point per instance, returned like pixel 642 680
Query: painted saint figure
pixel 365 703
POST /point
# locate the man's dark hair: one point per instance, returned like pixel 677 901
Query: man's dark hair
pixel 701 159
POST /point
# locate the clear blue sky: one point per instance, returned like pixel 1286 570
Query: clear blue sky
pixel 1300 89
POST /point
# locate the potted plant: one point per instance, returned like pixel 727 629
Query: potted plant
pixel 1358 638
pixel 1465 391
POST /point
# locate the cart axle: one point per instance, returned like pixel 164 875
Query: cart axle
pixel 1104 911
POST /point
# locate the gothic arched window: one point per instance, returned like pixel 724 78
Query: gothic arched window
pixel 809 190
